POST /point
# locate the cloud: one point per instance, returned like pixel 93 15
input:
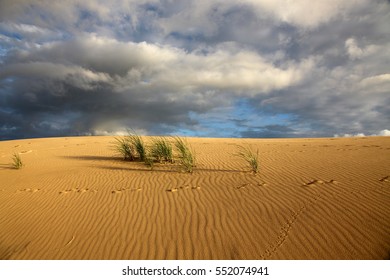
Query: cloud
pixel 88 67
pixel 356 52
pixel 131 65
pixel 111 81
pixel 206 17
pixel 350 135
pixel 306 13
pixel 24 29
pixel 381 81
pixel 270 131
pixel 75 75
pixel 385 132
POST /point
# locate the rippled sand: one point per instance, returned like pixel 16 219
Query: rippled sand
pixel 312 199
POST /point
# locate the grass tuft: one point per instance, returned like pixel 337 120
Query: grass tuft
pixel 130 147
pixel 162 150
pixel 124 148
pixel 251 158
pixel 149 161
pixel 186 154
pixel 137 142
pixel 17 161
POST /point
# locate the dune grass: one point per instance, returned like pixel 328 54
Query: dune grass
pixel 137 142
pixel 162 150
pixel 250 157
pixel 132 147
pixel 17 161
pixel 149 161
pixel 186 154
pixel 124 148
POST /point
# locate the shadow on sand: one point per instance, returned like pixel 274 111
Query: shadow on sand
pixel 94 158
pixel 7 166
pixel 140 166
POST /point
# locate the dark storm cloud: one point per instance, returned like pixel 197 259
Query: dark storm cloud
pixel 270 131
pixel 85 67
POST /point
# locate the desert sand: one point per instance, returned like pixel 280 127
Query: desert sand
pixel 312 199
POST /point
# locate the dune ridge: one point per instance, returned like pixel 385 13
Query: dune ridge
pixel 312 199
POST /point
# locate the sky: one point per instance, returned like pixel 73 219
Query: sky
pixel 223 68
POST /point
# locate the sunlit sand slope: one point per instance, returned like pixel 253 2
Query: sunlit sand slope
pixel 312 199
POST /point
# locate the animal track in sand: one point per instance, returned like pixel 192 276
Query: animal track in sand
pixel 25 152
pixel 241 186
pixel 287 226
pixel 125 189
pixel 371 146
pixel 77 190
pixel 349 149
pixel 283 233
pixel 385 179
pixel 28 190
pixel 184 187
pixel 245 185
pixel 319 182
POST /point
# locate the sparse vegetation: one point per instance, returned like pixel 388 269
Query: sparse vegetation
pixel 138 144
pixel 124 148
pixel 251 158
pixel 149 161
pixel 161 150
pixel 132 147
pixel 17 161
pixel 186 154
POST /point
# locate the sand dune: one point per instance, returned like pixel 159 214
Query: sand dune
pixel 312 199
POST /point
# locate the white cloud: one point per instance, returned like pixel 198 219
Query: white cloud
pixel 190 16
pixel 144 64
pixel 385 132
pixel 306 13
pixel 243 70
pixel 204 16
pixel 377 79
pixel 350 135
pixel 355 52
pixel 27 33
pixel 195 19
pixel 375 84
pixel 24 28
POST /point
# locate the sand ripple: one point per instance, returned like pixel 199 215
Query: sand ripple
pixel 313 199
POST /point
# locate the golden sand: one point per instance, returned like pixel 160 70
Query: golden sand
pixel 312 199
